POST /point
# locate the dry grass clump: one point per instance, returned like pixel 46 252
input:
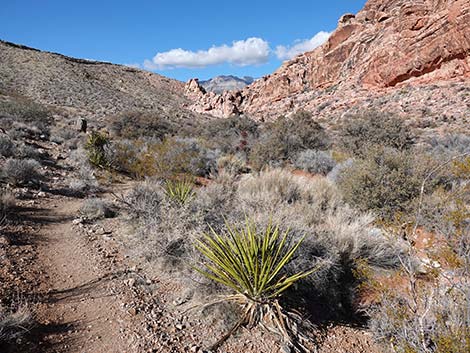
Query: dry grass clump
pixel 95 208
pixel 316 162
pixel 21 171
pixel 7 147
pixel 14 325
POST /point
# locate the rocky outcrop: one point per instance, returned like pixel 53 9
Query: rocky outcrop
pixel 385 46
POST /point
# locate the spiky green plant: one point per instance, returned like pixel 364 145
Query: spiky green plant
pixel 179 191
pixel 252 263
pixel 96 149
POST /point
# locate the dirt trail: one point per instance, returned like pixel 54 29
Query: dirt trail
pixel 82 305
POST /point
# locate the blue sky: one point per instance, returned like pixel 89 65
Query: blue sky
pixel 247 37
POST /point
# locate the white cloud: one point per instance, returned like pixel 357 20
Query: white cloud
pixel 251 51
pixel 301 46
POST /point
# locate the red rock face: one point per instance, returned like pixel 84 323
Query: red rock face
pixel 385 46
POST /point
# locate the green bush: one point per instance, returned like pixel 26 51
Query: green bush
pixel 135 125
pixel 359 133
pixel 232 135
pixel 385 182
pixel 283 139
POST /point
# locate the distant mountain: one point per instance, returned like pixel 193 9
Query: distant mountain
pixel 220 84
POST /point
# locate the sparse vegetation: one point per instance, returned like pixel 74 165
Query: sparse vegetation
pixel 21 171
pixel 14 325
pixel 94 209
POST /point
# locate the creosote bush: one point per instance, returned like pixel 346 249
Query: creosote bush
pixel 359 133
pixel 282 140
pixel 385 182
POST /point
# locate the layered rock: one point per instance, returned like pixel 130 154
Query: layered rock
pixel 387 45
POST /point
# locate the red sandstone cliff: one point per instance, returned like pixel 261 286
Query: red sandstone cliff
pixel 386 46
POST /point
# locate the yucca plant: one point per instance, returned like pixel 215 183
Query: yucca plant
pixel 96 149
pixel 252 263
pixel 179 191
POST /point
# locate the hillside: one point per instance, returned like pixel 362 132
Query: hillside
pixel 405 57
pixel 87 88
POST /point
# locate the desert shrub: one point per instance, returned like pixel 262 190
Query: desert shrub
pixel 135 125
pixel 313 161
pixel 7 202
pixel 26 151
pixel 359 133
pixel 24 110
pixel 14 325
pixel 168 158
pixel 21 171
pixel 144 200
pixel 94 209
pixel 335 236
pixel 97 149
pixel 203 160
pixel 84 180
pixel 62 134
pixel 232 135
pixel 436 320
pixel 232 164
pixel 449 145
pixel 179 191
pixel 386 182
pixel 339 169
pixel 283 139
pixel 29 119
pixel 7 147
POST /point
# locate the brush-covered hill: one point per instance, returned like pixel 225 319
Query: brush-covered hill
pixel 87 88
